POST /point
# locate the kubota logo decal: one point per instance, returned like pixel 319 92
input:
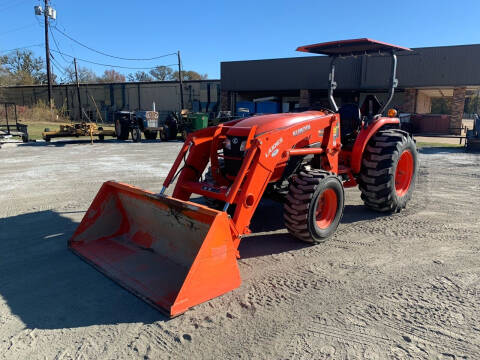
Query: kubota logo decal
pixel 273 149
pixel 301 130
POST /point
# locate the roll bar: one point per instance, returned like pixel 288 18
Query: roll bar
pixel 332 85
pixel 354 47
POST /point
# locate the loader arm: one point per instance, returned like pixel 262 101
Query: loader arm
pixel 264 153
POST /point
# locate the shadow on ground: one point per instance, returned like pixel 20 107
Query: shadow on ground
pixel 48 287
pixel 355 213
pixel 429 150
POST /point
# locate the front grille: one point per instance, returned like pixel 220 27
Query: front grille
pixel 232 166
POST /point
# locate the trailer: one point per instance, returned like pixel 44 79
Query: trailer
pixel 77 130
pixel 12 127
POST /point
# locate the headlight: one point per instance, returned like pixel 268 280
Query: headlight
pixel 243 145
pixel 227 144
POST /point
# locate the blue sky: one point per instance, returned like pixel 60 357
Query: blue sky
pixel 208 32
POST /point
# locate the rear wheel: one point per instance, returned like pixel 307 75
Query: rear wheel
pixel 314 205
pixel 121 130
pixel 101 137
pixel 389 171
pixel 173 130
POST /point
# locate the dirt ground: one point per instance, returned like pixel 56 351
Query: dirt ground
pixel 383 287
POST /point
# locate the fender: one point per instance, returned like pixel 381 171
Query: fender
pixel 363 138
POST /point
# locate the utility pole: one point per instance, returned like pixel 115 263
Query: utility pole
pixel 47 56
pixel 180 76
pixel 47 12
pixel 78 90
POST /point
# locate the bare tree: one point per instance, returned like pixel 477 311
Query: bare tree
pixel 139 76
pixel 85 75
pixel 112 76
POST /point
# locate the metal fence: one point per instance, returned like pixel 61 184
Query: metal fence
pixel 100 100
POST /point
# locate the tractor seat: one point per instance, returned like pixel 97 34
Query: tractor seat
pixel 350 121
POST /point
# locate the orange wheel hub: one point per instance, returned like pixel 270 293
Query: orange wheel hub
pixel 404 173
pixel 326 208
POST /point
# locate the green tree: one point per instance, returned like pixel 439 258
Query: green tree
pixel 162 73
pixel 472 104
pixel 441 105
pixel 189 75
pixel 22 68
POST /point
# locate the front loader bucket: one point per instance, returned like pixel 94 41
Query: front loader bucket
pixel 173 254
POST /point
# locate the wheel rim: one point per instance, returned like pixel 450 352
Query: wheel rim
pixel 404 173
pixel 326 208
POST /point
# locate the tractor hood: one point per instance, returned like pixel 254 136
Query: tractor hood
pixel 266 123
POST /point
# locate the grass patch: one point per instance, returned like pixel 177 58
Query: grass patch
pixel 36 128
pixel 435 144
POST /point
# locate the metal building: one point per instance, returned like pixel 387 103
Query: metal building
pixel 451 72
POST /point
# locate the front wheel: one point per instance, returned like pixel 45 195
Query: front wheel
pixel 164 134
pixel 389 171
pixel 314 205
pixel 136 135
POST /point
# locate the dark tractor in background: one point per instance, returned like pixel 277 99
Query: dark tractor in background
pixel 128 122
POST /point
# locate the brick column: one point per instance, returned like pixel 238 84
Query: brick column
pixel 409 101
pixel 458 104
pixel 225 100
pixel 305 98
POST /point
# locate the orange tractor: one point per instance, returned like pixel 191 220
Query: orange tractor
pixel 175 253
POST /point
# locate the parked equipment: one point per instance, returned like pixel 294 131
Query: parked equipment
pixel 77 130
pixel 9 128
pixel 187 122
pixel 472 140
pixel 134 123
pixel 175 253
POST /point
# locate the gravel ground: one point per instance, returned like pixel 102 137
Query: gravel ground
pixel 401 286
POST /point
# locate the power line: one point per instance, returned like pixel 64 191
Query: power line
pixel 20 48
pixel 9 6
pixel 110 65
pixel 17 29
pixel 58 67
pixel 56 45
pixel 112 56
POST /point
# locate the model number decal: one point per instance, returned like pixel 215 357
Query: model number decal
pixel 273 147
pixel 301 130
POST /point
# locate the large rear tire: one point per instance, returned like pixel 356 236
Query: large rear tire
pixel 121 130
pixel 389 171
pixel 314 205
